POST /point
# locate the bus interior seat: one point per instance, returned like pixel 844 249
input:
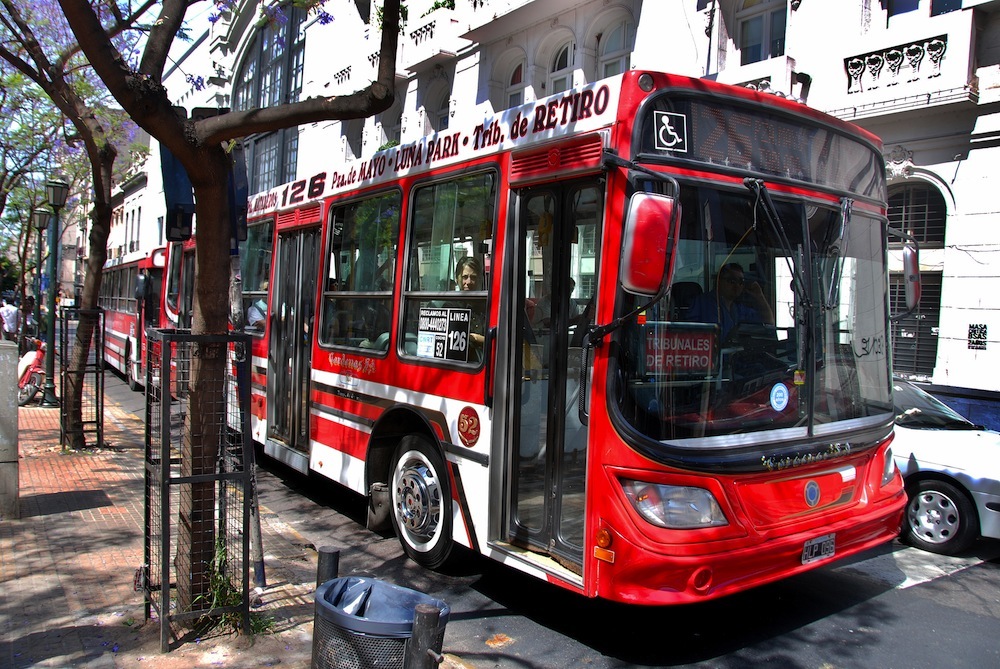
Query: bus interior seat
pixel 682 296
pixel 381 342
pixel 410 343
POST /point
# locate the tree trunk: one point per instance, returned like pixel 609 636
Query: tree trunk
pixel 75 373
pixel 204 430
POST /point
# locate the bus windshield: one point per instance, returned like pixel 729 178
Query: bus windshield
pixel 768 324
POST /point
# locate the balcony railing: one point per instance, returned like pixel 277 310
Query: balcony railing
pixel 899 64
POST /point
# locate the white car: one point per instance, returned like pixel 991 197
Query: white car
pixel 951 468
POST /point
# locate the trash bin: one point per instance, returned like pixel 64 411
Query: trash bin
pixel 364 623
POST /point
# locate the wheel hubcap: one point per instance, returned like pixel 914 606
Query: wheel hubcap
pixel 418 499
pixel 934 517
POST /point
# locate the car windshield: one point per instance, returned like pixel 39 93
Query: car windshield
pixel 916 408
pixel 767 324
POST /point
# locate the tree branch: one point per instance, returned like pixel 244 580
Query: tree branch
pixel 141 96
pixel 373 99
pixel 161 36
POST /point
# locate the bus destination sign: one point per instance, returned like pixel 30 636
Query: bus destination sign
pixel 750 139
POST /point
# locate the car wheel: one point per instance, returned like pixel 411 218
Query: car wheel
pixel 939 518
pixel 421 502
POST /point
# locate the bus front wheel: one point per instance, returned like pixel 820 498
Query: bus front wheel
pixel 421 502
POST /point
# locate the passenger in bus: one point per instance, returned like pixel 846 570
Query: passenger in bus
pixel 467 274
pixel 733 301
pixel 540 309
pixel 256 314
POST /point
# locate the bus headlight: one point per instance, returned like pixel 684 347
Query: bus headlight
pixel 674 507
pixel 888 467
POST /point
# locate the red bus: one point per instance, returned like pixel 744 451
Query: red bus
pixel 631 338
pixel 131 296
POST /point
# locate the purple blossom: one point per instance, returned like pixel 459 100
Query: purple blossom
pixel 198 82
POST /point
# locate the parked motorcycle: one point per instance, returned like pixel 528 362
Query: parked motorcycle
pixel 30 372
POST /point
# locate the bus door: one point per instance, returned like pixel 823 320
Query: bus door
pixel 558 237
pixel 293 298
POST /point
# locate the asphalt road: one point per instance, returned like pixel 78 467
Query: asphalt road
pixel 891 607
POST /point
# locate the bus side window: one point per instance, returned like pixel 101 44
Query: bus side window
pixel 255 271
pixel 445 309
pixel 357 293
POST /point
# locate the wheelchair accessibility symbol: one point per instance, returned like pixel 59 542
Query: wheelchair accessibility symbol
pixel 671 131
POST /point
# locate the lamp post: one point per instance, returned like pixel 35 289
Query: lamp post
pixel 41 217
pixel 56 191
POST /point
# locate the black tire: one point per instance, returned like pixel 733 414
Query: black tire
pixel 27 392
pixel 420 493
pixel 939 518
pixel 133 382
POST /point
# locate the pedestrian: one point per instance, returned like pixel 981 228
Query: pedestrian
pixel 11 320
pixel 28 316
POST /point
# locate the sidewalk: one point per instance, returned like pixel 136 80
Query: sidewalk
pixel 67 565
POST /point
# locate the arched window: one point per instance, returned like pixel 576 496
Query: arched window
pixel 437 114
pixel 614 48
pixel 761 25
pixel 919 209
pixel 390 123
pixel 514 95
pixel 561 72
pixel 270 75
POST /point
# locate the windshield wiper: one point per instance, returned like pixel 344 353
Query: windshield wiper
pixel 765 204
pixel 836 253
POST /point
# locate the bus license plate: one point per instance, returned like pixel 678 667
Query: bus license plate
pixel 819 548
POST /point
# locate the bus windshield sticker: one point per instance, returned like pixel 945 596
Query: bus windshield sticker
pixel 671 131
pixel 444 334
pixel 779 397
pixel 680 349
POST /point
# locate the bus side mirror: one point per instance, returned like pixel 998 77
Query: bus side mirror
pixel 911 276
pixel 911 272
pixel 652 225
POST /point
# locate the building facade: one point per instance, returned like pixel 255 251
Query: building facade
pixel 922 74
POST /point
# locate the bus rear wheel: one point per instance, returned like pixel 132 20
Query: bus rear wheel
pixel 130 373
pixel 421 502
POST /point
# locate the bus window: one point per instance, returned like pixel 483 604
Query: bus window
pixel 172 297
pixel 448 270
pixel 361 266
pixel 255 256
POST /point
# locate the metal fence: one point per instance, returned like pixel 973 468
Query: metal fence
pixel 79 327
pixel 198 480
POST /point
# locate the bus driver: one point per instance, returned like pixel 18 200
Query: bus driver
pixel 732 302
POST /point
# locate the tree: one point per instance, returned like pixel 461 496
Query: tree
pixel 201 147
pixel 61 71
pixel 27 142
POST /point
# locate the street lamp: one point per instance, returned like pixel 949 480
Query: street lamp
pixel 56 191
pixel 41 217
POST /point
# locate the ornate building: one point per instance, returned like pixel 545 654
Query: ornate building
pixel 922 74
